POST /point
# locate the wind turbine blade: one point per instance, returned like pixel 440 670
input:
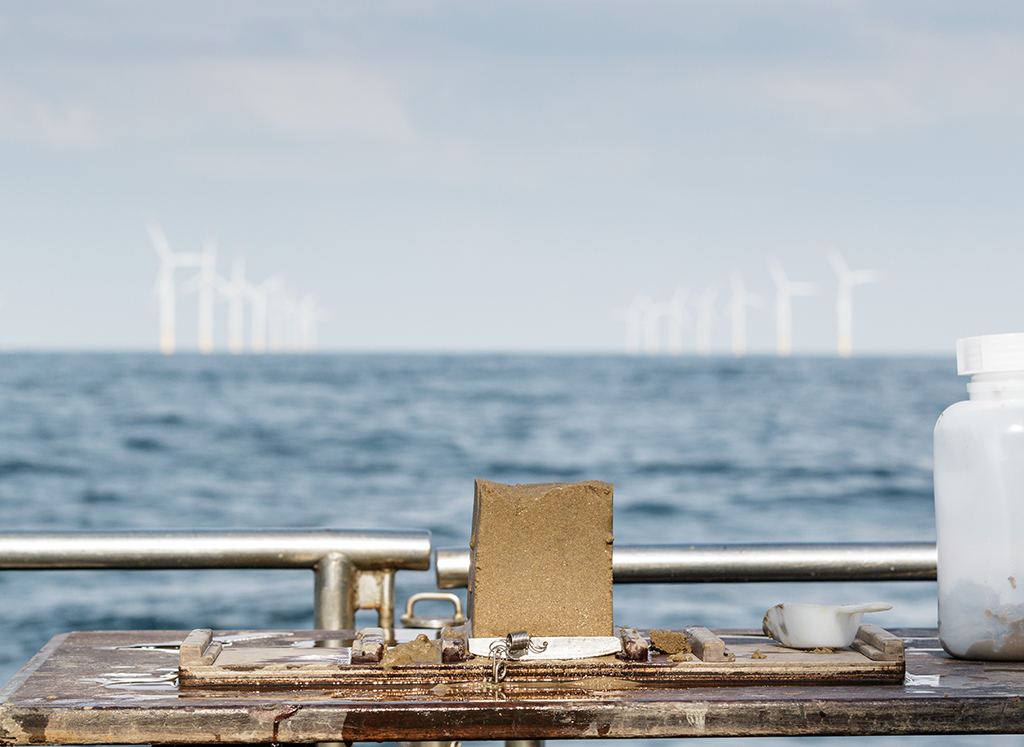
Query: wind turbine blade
pixel 803 289
pixel 272 283
pixel 160 243
pixel 221 284
pixel 865 276
pixel 192 285
pixel 778 274
pixel 842 269
pixel 755 301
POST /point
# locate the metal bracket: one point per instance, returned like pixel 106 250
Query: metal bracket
pixel 375 590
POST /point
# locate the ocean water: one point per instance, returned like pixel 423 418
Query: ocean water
pixel 700 450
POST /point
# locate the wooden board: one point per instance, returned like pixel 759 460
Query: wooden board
pixel 736 660
pixel 120 687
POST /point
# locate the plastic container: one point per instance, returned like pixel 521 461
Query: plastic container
pixel 979 504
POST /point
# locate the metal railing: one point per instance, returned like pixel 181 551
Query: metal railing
pixel 661 564
pixel 355 569
pixel 352 570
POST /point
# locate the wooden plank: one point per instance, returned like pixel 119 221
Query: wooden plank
pixel 751 659
pixel 120 688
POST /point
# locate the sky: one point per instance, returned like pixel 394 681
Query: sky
pixel 504 176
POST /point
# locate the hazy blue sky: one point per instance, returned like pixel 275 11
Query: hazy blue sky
pixel 502 175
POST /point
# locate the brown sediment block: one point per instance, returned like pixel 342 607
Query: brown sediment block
pixel 670 641
pixel 541 559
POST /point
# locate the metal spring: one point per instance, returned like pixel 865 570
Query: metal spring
pixel 518 644
pixel 512 646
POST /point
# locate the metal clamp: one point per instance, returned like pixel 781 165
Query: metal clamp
pixel 412 621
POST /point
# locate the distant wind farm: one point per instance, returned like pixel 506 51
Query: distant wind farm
pixel 653 327
pixel 279 320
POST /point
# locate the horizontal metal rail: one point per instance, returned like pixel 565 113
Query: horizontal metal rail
pixel 660 564
pixel 352 569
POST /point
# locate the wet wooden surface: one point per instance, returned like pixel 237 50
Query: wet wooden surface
pixel 120 687
pixel 754 659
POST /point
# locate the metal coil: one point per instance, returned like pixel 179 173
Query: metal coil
pixel 512 646
pixel 517 643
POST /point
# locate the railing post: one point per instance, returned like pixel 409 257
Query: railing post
pixel 333 595
pixel 386 611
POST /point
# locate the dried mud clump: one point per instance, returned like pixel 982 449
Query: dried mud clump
pixel 670 642
pixel 420 651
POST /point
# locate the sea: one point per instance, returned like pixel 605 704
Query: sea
pixel 700 450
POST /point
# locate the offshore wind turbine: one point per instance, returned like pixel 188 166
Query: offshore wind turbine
pixel 258 295
pixel 204 283
pixel 678 319
pixel 653 312
pixel 282 321
pixel 785 289
pixel 740 300
pixel 844 298
pixel 165 287
pixel 234 291
pixel 705 306
pixel 633 316
pixel 308 316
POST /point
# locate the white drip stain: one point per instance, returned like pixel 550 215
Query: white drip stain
pixel 165 678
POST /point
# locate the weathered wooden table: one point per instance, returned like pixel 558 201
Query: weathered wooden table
pixel 120 687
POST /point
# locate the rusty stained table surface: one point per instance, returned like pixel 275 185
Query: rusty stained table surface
pixel 119 687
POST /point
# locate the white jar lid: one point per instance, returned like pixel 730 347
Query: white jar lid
pixel 990 354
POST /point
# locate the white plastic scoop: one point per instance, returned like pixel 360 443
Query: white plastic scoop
pixel 817 625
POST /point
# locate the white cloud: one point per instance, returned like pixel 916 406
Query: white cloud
pixel 68 126
pixel 29 118
pixel 76 103
pixel 309 97
pixel 900 80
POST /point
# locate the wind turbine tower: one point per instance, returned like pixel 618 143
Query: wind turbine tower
pixel 633 316
pixel 234 291
pixel 785 289
pixel 740 300
pixel 309 315
pixel 165 287
pixel 678 319
pixel 282 315
pixel 204 284
pixel 651 325
pixel 705 305
pixel 258 295
pixel 207 270
pixel 844 298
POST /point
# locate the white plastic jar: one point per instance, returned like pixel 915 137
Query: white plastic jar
pixel 979 504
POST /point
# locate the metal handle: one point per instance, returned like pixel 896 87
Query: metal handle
pixel 411 621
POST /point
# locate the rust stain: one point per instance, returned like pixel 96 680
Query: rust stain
pixel 31 725
pixel 287 712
